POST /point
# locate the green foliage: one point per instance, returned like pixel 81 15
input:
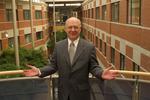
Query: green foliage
pixel 27 56
pixel 33 57
pixel 51 42
pixel 60 35
pixel 7 57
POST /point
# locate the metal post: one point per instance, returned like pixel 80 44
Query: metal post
pixel 31 23
pixel 54 29
pixel 15 32
pixel 136 89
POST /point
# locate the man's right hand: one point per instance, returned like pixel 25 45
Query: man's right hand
pixel 31 72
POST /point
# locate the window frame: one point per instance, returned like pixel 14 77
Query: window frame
pixel 39 37
pixel 97 13
pixel 122 61
pixel 1 45
pixel 11 42
pixel 113 5
pixel 100 45
pixel 104 12
pixel 28 38
pixel 130 14
pixel 112 56
pixel 9 15
pixel 38 14
pixel 26 12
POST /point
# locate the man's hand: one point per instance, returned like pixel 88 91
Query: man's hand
pixel 109 74
pixel 31 72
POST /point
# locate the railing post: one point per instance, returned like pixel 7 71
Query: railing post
pixel 135 95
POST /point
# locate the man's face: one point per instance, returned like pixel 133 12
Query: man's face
pixel 73 28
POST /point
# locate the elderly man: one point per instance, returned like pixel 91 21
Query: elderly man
pixel 74 58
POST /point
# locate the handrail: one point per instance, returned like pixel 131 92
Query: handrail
pixel 11 72
pixel 120 71
pixel 133 72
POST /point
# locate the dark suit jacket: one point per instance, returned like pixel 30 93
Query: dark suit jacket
pixel 73 79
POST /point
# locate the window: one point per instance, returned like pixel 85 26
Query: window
pixel 115 12
pixel 92 13
pixel 17 15
pixel 39 35
pixel 135 68
pixel 38 14
pixel 26 14
pixel 134 12
pixel 104 12
pixel 9 15
pixel 28 38
pixel 122 62
pixel 112 55
pixel 97 13
pixel 0 45
pixel 96 41
pixel 11 42
pixel 100 47
pixel 105 48
pixel 88 13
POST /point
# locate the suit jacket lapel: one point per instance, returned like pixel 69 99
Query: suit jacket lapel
pixel 65 49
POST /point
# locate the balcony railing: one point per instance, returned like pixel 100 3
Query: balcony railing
pixel 33 88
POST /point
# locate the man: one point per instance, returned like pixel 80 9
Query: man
pixel 73 70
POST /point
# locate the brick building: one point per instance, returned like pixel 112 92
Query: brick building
pixel 120 30
pixel 26 38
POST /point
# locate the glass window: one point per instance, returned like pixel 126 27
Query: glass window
pixel 112 55
pixel 11 42
pixel 104 12
pixel 115 12
pixel 100 45
pixel 26 14
pixel 88 13
pixel 105 47
pixel 38 14
pixel 28 38
pixel 17 15
pixel 9 15
pixel 97 13
pixel 134 11
pixel 96 41
pixel 0 45
pixel 39 35
pixel 92 13
pixel 135 68
pixel 122 62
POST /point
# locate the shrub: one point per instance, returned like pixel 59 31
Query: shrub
pixel 27 56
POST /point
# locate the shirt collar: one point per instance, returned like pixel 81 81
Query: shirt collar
pixel 75 42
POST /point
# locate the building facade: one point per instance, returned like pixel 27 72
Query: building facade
pixel 29 35
pixel 120 30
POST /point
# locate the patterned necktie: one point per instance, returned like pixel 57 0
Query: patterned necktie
pixel 71 51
